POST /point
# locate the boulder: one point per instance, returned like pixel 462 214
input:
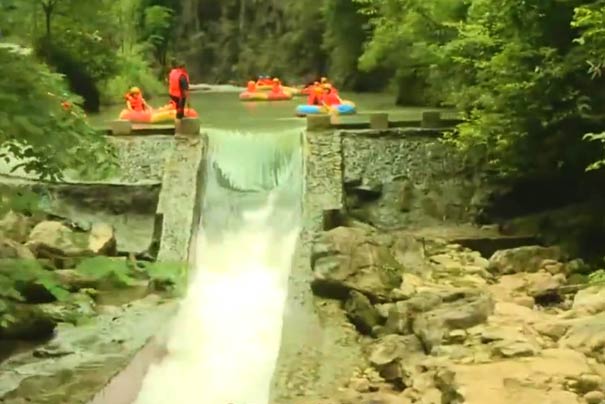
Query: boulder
pixel 409 252
pixel 12 249
pixel 514 349
pixel 544 287
pixel 361 313
pixel 25 321
pixel 586 335
pixel 401 314
pixel 594 397
pixel 522 259
pixel 345 259
pixel 388 351
pixel 74 280
pixel 102 239
pixel 52 239
pixel 79 306
pixel 15 226
pixel 589 301
pixel 434 325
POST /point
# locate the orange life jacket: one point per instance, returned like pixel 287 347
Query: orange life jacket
pixel 276 89
pixel 251 87
pixel 314 99
pixel 136 102
pixel 332 99
pixel 174 87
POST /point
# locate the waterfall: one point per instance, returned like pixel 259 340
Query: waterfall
pixel 226 337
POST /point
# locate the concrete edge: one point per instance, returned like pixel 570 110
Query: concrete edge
pixel 124 386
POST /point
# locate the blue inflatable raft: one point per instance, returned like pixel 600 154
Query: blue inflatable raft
pixel 347 108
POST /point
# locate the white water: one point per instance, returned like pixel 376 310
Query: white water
pixel 226 337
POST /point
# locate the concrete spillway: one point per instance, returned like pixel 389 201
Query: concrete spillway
pixel 223 344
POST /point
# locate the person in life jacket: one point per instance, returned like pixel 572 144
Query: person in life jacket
pixel 251 87
pixel 310 88
pixel 135 100
pixel 178 88
pixel 276 86
pixel 315 96
pixel 330 97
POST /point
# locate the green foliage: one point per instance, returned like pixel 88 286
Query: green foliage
pixel 406 38
pixel 36 130
pixel 590 20
pixel 15 273
pixel 343 39
pixel 517 70
pixel 134 70
pixel 120 273
pixel 599 137
pixel 597 277
pixel 171 276
pixel 158 24
pixel 116 272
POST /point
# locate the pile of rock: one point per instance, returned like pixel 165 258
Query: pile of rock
pixel 55 249
pixel 442 324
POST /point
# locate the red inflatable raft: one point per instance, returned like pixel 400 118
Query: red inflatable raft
pixel 165 114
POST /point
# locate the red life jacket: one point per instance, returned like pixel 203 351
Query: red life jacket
pixel 174 87
pixel 136 102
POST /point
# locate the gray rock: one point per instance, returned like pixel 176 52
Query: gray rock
pixel 102 239
pixel 394 347
pixel 79 307
pixel 51 239
pixel 26 322
pixel 399 319
pixel 431 327
pixel 514 349
pixel 594 397
pixel 361 312
pixel 589 382
pixel 15 226
pixel 13 250
pixel 347 259
pixel 586 335
pixel 522 259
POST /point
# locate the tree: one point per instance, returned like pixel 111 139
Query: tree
pixel 590 20
pixel 41 124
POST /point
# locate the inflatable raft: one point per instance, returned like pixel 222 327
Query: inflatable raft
pixel 165 114
pixel 346 108
pixel 264 96
pixel 292 90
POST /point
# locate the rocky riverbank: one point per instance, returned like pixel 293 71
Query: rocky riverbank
pixel 89 272
pixel 440 323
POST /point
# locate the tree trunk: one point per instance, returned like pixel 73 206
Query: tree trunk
pixel 48 8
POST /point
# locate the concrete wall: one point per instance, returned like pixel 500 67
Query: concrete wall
pixel 407 178
pixel 141 158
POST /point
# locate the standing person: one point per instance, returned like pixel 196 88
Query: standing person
pixel 178 88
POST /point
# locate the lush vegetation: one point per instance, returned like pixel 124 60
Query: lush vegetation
pixel 41 123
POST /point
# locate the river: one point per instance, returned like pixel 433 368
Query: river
pixel 225 111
